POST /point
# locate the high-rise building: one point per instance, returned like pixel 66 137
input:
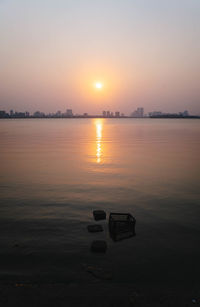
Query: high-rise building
pixel 58 113
pixel 38 114
pixel 155 113
pixel 138 113
pixel 3 114
pixel 104 113
pixel 186 113
pixel 69 113
pixel 117 114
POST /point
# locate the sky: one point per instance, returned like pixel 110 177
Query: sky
pixel 145 53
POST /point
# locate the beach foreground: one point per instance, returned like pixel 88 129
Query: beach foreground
pixel 97 294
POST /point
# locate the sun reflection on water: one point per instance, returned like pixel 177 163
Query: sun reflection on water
pixel 99 127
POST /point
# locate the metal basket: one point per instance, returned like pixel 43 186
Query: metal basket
pixel 121 226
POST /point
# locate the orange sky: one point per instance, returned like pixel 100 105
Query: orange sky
pixel 146 53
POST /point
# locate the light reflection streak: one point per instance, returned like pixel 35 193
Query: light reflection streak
pixel 99 127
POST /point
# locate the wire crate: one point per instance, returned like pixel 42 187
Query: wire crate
pixel 121 226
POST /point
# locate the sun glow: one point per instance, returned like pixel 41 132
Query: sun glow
pixel 98 85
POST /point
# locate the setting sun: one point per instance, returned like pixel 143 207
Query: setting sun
pixel 98 85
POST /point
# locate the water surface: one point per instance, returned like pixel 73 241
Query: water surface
pixel 54 172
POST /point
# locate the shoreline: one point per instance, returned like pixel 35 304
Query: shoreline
pixel 99 116
pixel 98 293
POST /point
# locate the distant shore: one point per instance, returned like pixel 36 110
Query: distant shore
pixel 99 116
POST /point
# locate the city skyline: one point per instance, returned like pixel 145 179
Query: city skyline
pixel 135 108
pixel 138 113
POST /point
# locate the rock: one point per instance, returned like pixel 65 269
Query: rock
pixel 133 298
pixel 99 215
pixel 99 246
pixel 99 272
pixel 94 228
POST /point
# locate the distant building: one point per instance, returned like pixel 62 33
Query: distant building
pixel 107 113
pixel 58 113
pixel 104 113
pixel 38 114
pixel 85 114
pixel 117 114
pixel 155 113
pixel 11 113
pixel 69 113
pixel 3 114
pixel 138 113
pixel 169 115
pixel 186 113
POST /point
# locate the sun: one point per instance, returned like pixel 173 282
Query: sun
pixel 98 85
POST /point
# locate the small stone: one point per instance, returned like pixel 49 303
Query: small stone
pixel 99 215
pixel 99 272
pixel 95 228
pixel 133 298
pixel 99 246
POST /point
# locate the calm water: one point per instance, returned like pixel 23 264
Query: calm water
pixel 54 172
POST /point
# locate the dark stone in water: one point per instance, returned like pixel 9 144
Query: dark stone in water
pixel 99 215
pixel 99 273
pixel 99 246
pixel 94 228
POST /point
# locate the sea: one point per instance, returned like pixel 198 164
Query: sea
pixel 55 172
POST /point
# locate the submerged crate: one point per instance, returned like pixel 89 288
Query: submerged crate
pixel 121 226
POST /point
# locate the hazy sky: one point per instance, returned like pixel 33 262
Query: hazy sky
pixel 145 53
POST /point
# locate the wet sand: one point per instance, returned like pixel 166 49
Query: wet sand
pixel 97 294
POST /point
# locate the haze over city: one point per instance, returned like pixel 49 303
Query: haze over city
pixel 100 55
